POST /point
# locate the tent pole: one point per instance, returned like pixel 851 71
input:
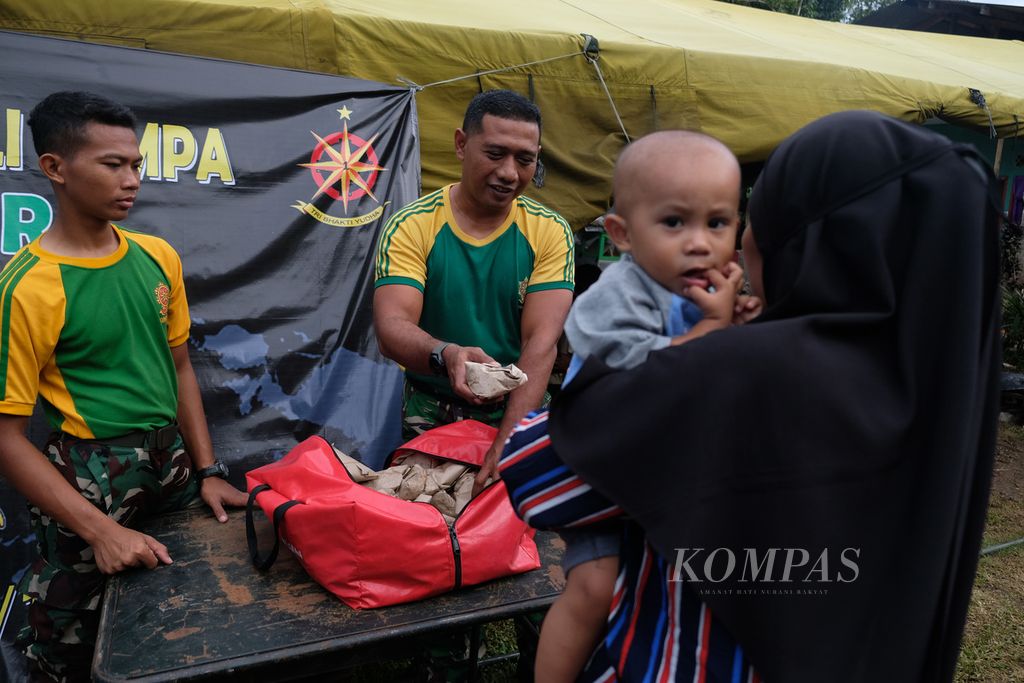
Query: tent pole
pixel 999 155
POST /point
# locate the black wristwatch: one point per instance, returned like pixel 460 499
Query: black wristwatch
pixel 437 364
pixel 217 469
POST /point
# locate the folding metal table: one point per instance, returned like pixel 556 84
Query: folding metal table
pixel 211 615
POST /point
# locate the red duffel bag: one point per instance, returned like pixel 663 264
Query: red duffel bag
pixel 373 550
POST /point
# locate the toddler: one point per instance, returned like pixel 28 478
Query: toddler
pixel 675 222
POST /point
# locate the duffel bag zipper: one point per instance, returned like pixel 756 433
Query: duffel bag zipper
pixel 456 548
pixel 457 553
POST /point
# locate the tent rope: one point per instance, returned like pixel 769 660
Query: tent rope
pixel 590 52
pixel 600 77
pixel 477 74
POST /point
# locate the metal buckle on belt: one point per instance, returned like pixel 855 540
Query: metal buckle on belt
pixel 156 440
pixel 163 438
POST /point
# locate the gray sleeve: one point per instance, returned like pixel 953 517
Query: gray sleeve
pixel 619 319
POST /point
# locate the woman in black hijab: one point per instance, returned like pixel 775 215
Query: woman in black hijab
pixel 847 434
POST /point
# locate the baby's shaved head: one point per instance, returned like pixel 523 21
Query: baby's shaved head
pixel 677 198
pixel 665 151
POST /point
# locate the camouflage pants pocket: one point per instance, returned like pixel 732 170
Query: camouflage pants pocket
pixel 423 410
pixel 127 484
pixel 58 642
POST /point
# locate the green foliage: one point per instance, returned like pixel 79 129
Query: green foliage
pixel 1013 326
pixel 861 8
pixel 1012 280
pixel 829 10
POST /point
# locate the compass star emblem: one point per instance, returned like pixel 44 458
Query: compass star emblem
pixel 344 166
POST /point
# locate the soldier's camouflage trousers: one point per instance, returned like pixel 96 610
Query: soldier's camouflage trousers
pixel 448 655
pixel 423 410
pixel 127 484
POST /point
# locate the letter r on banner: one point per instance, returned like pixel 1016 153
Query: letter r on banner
pixel 25 217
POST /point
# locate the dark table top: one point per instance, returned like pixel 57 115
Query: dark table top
pixel 210 614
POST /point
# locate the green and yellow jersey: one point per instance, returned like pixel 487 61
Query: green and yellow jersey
pixel 474 289
pixel 92 336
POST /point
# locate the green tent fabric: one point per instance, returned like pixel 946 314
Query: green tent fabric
pixel 747 76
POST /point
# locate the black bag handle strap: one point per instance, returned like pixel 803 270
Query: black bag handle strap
pixel 263 564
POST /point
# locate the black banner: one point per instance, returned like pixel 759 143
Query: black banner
pixel 272 185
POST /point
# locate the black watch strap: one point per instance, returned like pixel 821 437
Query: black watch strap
pixel 437 364
pixel 217 469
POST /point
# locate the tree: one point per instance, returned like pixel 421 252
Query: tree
pixel 829 10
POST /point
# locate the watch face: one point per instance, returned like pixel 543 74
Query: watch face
pixel 437 360
pixel 217 469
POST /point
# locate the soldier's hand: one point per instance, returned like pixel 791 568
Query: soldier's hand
pixel 455 358
pixel 121 548
pixel 217 493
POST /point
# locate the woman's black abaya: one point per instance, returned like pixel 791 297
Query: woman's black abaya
pixel 854 421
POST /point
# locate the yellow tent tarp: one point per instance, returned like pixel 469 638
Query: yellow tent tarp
pixel 747 76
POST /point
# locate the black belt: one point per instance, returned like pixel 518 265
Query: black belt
pixel 159 439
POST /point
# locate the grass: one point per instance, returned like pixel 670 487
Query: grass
pixel 993 643
pixel 500 637
pixel 993 646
